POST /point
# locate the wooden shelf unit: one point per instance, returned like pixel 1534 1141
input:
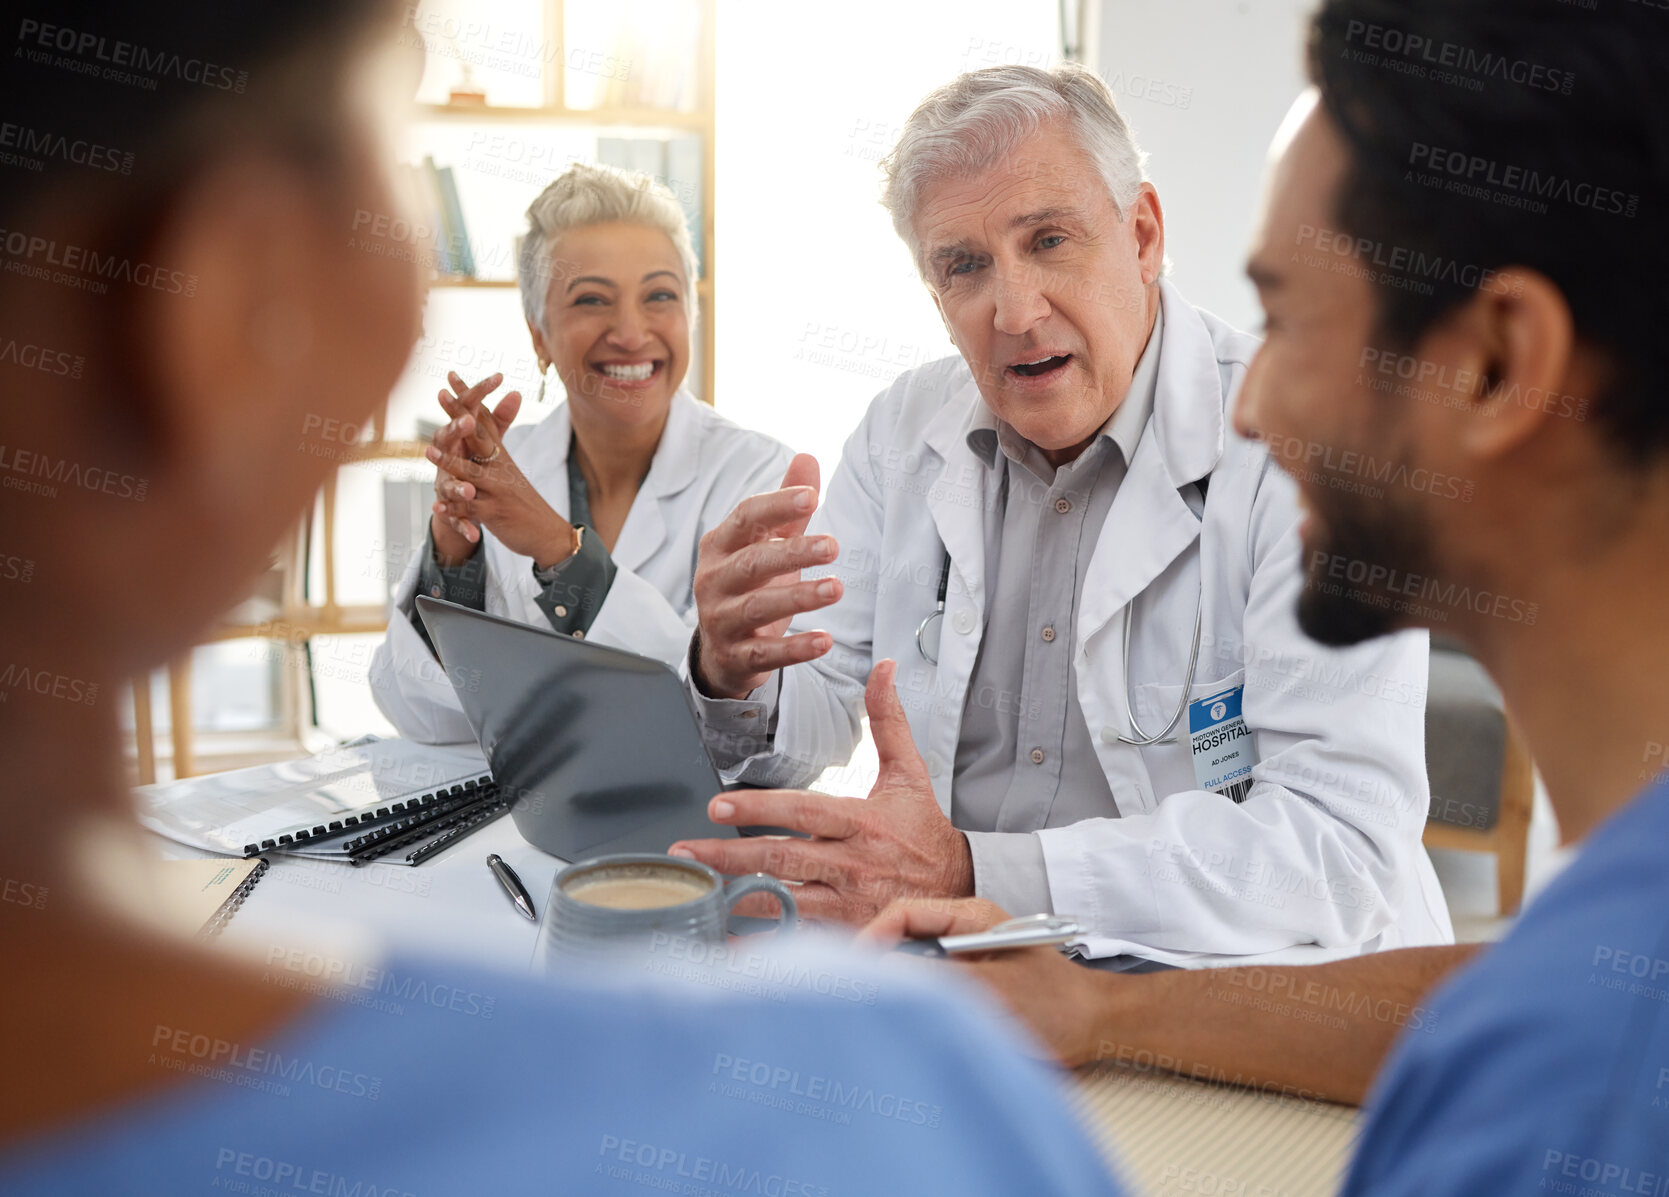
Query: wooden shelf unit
pixel 645 118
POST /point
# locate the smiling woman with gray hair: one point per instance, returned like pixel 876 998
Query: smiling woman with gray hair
pixel 586 522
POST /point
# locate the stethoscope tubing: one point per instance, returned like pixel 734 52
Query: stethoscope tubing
pixel 1142 739
pixel 936 619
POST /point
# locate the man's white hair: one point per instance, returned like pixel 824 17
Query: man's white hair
pixel 587 194
pixel 971 123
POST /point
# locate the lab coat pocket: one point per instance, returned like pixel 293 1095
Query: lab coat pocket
pixel 1171 765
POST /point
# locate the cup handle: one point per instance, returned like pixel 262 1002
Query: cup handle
pixel 755 883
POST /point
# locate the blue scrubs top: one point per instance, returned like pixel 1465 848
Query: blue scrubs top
pixel 833 1075
pixel 1546 1070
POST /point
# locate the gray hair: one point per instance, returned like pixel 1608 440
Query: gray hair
pixel 969 124
pixel 587 194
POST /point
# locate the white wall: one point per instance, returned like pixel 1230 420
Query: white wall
pixel 819 306
pixel 1204 84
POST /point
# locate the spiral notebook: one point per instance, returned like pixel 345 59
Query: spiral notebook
pixel 280 807
pixel 199 897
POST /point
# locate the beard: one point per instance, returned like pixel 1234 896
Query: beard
pixel 1359 535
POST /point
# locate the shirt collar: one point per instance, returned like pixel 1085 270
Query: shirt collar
pixel 987 433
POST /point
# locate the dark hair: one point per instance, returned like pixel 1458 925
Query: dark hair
pixel 125 98
pixel 1534 133
pixel 108 111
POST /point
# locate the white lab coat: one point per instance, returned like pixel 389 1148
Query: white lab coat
pixel 703 467
pixel 1324 857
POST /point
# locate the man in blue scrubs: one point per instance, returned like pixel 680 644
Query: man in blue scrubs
pixel 1464 263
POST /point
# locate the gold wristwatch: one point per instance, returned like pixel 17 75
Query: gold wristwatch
pixel 547 575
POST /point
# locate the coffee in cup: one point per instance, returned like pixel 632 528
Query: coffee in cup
pixel 637 887
pixel 638 901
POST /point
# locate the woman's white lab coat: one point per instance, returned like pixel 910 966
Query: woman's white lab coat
pixel 704 466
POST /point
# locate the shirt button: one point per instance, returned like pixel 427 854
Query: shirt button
pixel 1037 756
pixel 1063 505
pixel 751 713
pixel 964 622
pixel 561 611
pixel 434 591
pixel 1109 735
pixel 579 635
pixel 1049 635
pixel 934 765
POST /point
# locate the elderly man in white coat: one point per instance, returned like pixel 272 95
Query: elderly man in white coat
pixel 586 522
pixel 1088 586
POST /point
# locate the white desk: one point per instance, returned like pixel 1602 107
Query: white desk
pixel 1166 1134
pixel 450 905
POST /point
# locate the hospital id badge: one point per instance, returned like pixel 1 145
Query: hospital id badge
pixel 1221 743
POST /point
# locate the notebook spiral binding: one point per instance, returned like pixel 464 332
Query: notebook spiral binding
pixel 485 800
pixel 229 908
pixel 335 827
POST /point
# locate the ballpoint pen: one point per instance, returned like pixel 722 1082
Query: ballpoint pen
pixel 513 887
pixel 1031 931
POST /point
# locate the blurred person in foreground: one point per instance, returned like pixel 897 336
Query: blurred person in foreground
pixel 219 299
pixel 1534 346
pixel 587 521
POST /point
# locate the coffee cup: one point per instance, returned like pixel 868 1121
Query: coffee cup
pixel 634 900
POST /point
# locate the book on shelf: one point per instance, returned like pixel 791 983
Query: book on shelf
pixel 432 218
pixel 457 235
pixel 683 176
pixel 673 161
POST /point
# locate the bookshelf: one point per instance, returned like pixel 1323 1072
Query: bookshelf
pixel 519 38
pixel 698 121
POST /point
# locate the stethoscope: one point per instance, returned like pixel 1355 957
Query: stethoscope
pixel 1142 739
pixel 930 629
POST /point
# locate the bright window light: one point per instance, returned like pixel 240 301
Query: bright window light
pixel 819 305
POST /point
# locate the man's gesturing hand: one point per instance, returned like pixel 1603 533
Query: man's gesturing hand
pixel 747 587
pixel 866 852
